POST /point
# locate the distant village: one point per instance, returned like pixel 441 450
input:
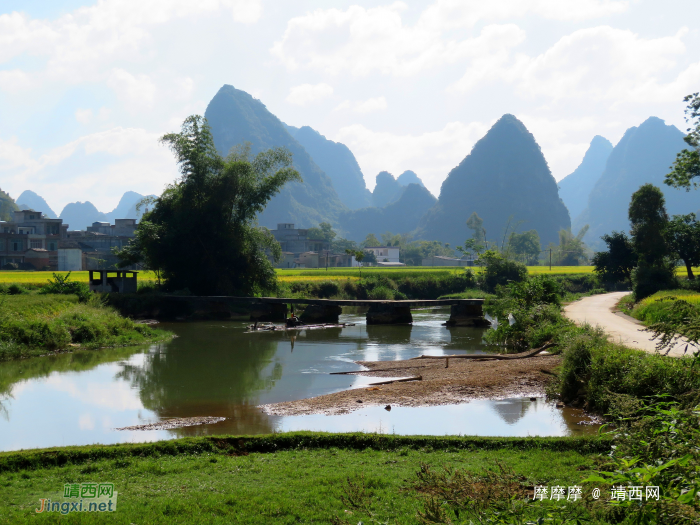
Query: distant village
pixel 33 241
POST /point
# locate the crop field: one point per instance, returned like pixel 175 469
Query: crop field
pixel 22 277
pixel 685 295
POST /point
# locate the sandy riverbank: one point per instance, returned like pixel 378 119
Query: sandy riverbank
pixel 464 380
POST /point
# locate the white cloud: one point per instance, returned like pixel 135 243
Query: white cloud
pixel 448 14
pixel 14 81
pixel 371 105
pixel 84 116
pixel 137 92
pixel 308 93
pixel 362 41
pixel 431 155
pixel 97 167
pixel 593 64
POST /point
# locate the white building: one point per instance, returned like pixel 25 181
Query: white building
pixel 384 253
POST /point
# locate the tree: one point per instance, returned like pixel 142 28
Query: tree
pixel 526 245
pixel 370 257
pixel 201 233
pixel 686 169
pixel 648 217
pixel 476 223
pixel 370 240
pixel 324 232
pixel 683 238
pixel 500 271
pixel 571 250
pixel 616 264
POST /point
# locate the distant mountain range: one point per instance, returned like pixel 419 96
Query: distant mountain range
pixel 643 155
pixel 575 188
pixel 504 179
pixel 80 215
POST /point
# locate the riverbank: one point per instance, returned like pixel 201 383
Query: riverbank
pixel 464 380
pixel 46 324
pixel 296 478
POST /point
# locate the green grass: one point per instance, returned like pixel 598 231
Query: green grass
pixel 657 307
pixel 306 480
pixel 33 324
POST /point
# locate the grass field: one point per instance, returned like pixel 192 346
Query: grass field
pixel 685 295
pixel 36 278
pixel 324 485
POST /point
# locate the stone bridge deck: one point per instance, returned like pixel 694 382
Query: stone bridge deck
pixel 463 312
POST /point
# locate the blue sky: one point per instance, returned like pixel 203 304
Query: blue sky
pixel 86 88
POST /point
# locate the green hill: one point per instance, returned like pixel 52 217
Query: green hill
pixel 7 206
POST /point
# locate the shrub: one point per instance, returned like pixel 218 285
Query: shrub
pixel 499 271
pixel 381 293
pixel 647 280
pixel 61 284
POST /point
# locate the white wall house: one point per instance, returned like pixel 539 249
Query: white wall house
pixel 384 253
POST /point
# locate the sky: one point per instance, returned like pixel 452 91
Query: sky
pixel 87 88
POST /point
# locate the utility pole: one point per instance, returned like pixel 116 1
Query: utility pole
pixel 550 259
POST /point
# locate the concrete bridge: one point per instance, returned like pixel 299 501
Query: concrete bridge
pixel 463 312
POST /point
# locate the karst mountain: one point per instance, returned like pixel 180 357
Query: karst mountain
pixel 507 182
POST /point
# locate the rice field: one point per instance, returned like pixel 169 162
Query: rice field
pixel 36 278
pixel 685 295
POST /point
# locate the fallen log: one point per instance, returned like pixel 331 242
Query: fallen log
pixel 372 370
pixel 501 357
pixel 417 378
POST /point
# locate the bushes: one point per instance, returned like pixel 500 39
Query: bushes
pixel 35 324
pixel 647 280
pixel 499 272
pixel 61 284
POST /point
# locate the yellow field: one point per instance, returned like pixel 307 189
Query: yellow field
pixel 685 295
pixel 21 277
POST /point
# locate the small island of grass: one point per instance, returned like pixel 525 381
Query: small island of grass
pixel 34 324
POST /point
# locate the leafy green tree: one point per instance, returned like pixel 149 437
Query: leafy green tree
pixel 476 223
pixel 342 245
pixel 683 238
pixel 648 217
pixel 370 240
pixel 616 264
pixel 202 233
pixel 571 250
pixel 499 271
pixel 369 257
pixel 526 245
pixel 324 232
pixel 686 169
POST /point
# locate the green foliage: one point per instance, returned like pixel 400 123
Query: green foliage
pixel 33 324
pixel 648 217
pixel 540 289
pixel 370 240
pixel 476 224
pixel 324 232
pixel 201 233
pixel 499 271
pixel 414 252
pixel 686 168
pixel 683 237
pixel 7 206
pixel 571 250
pixel 616 264
pixel 61 284
pixel 526 245
pixel 673 321
pixel 647 279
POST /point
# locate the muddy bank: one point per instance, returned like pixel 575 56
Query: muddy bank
pixel 464 380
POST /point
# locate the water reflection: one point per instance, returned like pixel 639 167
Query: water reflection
pixel 216 369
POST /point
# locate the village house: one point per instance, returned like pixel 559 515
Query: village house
pixel 31 240
pixel 301 251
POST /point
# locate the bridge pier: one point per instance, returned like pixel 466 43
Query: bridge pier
pixel 389 314
pixel 268 312
pixel 321 313
pixel 467 315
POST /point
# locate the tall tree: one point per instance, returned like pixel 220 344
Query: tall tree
pixel 201 233
pixel 616 264
pixel 370 240
pixel 686 169
pixel 526 245
pixel 324 232
pixel 571 250
pixel 648 217
pixel 683 238
pixel 476 224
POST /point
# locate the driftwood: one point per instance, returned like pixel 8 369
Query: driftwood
pixel 417 378
pixel 377 370
pixel 282 328
pixel 501 357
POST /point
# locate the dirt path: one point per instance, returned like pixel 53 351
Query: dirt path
pixel 464 380
pixel 599 310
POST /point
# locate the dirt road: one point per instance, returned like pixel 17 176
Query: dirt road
pixel 598 310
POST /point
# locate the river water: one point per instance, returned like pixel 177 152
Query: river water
pixel 215 369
